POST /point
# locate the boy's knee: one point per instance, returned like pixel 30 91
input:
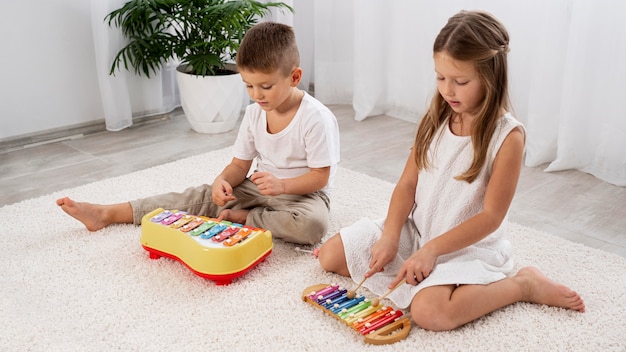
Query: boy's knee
pixel 291 226
pixel 304 230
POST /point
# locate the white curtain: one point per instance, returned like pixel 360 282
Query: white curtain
pixel 566 70
pixel 126 95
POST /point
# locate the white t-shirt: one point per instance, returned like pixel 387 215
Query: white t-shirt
pixel 311 140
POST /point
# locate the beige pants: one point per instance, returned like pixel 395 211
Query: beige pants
pixel 293 218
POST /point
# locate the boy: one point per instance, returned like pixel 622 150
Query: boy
pixel 294 138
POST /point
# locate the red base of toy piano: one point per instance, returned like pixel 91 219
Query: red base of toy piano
pixel 225 279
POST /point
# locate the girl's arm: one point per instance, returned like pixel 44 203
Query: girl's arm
pixel 400 205
pixel 499 194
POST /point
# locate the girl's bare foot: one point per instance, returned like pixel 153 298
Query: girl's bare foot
pixel 238 216
pixel 91 215
pixel 540 289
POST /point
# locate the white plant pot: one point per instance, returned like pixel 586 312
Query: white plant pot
pixel 212 104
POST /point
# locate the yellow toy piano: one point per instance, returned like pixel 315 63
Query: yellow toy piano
pixel 217 250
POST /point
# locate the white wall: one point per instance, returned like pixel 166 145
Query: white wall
pixel 47 66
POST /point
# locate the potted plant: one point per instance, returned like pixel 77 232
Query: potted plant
pixel 203 35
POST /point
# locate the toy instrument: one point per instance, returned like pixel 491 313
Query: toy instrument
pixel 217 250
pixel 379 324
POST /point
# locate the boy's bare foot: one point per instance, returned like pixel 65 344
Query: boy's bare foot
pixel 90 215
pixel 238 216
pixel 540 289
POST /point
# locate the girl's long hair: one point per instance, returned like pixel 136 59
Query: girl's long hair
pixel 480 38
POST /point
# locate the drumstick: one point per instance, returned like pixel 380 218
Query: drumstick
pixel 376 301
pixel 352 293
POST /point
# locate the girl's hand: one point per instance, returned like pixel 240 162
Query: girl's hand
pixel 415 269
pixel 222 192
pixel 383 252
pixel 267 183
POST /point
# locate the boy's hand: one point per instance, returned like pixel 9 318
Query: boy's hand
pixel 383 252
pixel 222 192
pixel 268 184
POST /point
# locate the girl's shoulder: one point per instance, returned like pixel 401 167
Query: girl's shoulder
pixel 507 122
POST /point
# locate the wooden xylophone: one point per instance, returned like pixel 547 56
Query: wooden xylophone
pixel 379 324
pixel 215 250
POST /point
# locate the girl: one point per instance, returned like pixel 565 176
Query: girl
pixel 442 241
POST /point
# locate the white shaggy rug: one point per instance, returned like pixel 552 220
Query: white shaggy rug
pixel 63 288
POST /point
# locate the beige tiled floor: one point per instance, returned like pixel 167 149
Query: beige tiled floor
pixel 569 204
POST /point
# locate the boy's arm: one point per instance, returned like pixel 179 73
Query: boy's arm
pixel 235 172
pixel 232 175
pixel 312 181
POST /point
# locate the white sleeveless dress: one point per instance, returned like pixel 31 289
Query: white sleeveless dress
pixel 441 203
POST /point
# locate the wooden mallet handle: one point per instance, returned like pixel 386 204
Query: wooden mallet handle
pixel 352 293
pixel 376 301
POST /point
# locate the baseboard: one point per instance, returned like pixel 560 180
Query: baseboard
pixel 66 133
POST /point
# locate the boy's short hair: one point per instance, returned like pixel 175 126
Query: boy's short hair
pixel 267 47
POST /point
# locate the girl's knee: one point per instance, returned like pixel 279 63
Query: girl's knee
pixel 325 254
pixel 332 257
pixel 430 317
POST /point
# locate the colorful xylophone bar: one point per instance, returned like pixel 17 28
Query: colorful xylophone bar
pixel 226 232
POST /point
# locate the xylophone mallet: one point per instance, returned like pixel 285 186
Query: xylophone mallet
pixel 376 301
pixel 352 293
pixel 314 251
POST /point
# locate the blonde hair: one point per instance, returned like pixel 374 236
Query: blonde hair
pixel 477 37
pixel 268 47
